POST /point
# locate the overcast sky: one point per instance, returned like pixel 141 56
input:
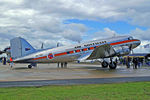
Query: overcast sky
pixel 71 21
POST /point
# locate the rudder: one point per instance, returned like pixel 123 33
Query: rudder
pixel 20 47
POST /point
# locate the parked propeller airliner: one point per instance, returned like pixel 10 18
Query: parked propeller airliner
pixel 23 52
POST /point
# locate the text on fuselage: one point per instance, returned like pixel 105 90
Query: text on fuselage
pixel 90 44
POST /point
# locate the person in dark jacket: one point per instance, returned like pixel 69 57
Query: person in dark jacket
pixel 128 61
pixel 4 60
pixel 135 63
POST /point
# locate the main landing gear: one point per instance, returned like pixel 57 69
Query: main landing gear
pixel 111 64
pixel 104 64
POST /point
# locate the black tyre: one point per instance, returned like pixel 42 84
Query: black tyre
pixel 104 64
pixel 29 66
pixel 112 65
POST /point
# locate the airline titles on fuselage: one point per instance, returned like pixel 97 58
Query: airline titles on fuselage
pixel 90 44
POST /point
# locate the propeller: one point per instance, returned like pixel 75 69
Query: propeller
pixel 5 50
pixel 1 52
pixel 58 44
pixel 42 46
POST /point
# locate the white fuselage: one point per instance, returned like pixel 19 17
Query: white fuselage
pixel 73 52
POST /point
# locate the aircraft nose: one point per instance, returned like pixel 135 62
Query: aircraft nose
pixel 136 43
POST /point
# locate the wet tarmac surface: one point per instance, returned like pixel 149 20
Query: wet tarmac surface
pixel 38 83
pixel 74 74
pixel 20 72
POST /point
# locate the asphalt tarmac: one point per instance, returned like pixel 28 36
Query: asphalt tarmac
pixel 49 74
pixel 73 81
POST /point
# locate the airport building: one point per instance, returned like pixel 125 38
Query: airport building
pixel 139 55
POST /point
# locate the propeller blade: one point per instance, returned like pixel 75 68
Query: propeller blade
pixel 42 46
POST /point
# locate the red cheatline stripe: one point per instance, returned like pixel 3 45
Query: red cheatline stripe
pixel 85 49
pixel 60 54
pixel 116 43
pixel 40 58
pixel 71 52
pixel 91 48
pixel 77 50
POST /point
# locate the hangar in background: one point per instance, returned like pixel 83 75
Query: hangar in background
pixel 140 55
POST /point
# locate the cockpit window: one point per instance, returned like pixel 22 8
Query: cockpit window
pixel 130 38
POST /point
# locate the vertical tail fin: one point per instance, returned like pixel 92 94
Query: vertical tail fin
pixel 20 47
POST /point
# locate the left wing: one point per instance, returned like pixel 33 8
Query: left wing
pixel 103 51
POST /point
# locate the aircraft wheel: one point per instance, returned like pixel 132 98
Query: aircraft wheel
pixel 112 65
pixel 104 64
pixel 30 66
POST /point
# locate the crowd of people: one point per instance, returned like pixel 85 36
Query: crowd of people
pixel 136 62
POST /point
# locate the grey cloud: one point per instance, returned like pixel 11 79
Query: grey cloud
pixel 111 10
pixel 42 20
pixel 72 35
pixel 77 27
pixel 104 34
pixel 74 32
pixel 141 34
pixel 46 23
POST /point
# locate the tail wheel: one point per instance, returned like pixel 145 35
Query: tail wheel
pixel 30 66
pixel 104 64
pixel 112 65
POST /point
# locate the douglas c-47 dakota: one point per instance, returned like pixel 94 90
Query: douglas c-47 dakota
pixel 23 52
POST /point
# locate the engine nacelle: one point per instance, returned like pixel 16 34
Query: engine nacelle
pixel 122 50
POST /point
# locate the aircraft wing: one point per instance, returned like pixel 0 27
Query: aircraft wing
pixel 103 51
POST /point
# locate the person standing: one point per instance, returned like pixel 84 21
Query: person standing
pixel 4 60
pixel 135 63
pixel 11 62
pixel 139 62
pixel 116 61
pixel 58 64
pixel 128 61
